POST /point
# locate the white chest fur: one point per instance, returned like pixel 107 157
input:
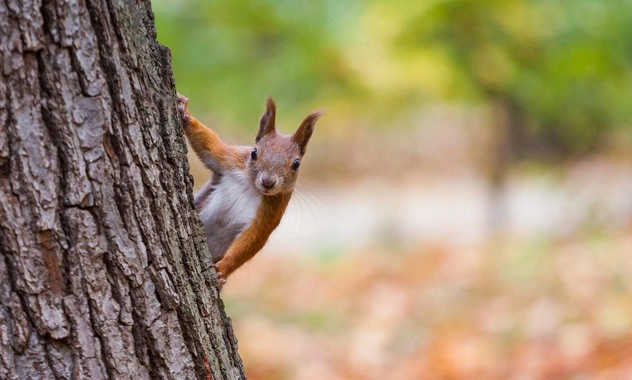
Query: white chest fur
pixel 235 200
pixel 231 207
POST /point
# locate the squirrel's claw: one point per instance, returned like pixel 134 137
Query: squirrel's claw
pixel 183 103
pixel 183 99
pixel 221 280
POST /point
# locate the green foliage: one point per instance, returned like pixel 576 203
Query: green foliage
pixel 565 66
pixel 229 55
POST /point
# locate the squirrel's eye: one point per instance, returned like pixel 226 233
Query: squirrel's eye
pixel 253 154
pixel 295 164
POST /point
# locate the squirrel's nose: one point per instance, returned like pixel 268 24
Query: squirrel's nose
pixel 268 181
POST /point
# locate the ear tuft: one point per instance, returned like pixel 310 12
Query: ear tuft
pixel 268 119
pixel 305 130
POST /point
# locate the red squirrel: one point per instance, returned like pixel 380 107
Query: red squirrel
pixel 250 187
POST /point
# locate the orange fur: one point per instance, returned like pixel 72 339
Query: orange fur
pixel 213 152
pixel 253 238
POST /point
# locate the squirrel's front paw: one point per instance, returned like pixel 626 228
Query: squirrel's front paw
pixel 185 116
pixel 221 278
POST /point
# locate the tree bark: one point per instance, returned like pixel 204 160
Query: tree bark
pixel 104 270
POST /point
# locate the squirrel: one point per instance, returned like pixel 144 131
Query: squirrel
pixel 250 187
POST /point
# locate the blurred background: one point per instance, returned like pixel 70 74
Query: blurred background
pixel 465 206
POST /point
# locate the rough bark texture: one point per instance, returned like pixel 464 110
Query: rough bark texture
pixel 104 271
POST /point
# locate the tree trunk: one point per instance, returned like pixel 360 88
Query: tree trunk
pixel 104 270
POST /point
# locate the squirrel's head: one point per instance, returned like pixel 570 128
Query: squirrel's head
pixel 274 161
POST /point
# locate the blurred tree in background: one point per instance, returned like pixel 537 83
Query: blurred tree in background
pixel 561 71
pixel 558 74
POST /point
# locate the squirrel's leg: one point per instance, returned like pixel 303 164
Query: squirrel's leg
pixel 211 150
pixel 254 237
pixel 247 244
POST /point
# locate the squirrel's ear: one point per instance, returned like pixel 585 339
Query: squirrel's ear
pixel 305 130
pixel 268 119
